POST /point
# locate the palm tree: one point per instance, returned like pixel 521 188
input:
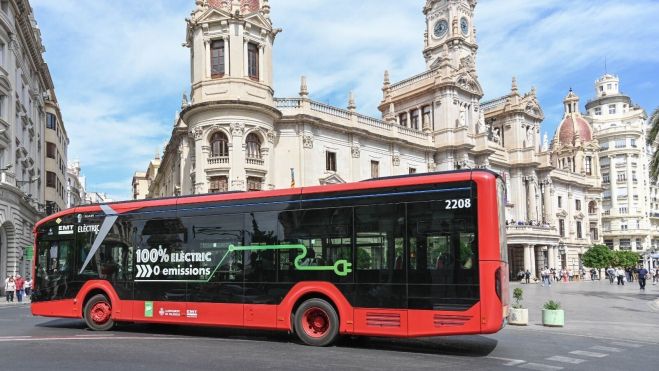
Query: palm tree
pixel 652 138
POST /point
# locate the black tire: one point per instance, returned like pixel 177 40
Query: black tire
pixel 316 323
pixel 98 313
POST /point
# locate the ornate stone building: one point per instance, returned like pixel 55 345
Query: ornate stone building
pixel 26 98
pixel 233 134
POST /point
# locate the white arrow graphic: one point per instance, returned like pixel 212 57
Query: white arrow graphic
pixel 148 271
pixel 139 271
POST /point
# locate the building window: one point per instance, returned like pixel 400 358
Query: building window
pixel 623 211
pixel 622 176
pixel 592 207
pixel 612 109
pixel 218 184
pixel 253 61
pixel 51 150
pixel 560 201
pixel 579 235
pixel 605 178
pixel 375 169
pixel 219 145
pixel 51 179
pixel 594 233
pixel 51 121
pixel 217 58
pixel 609 244
pixel 625 244
pixel 253 146
pixel 577 204
pixel 412 170
pixel 254 183
pixel 621 143
pixel 402 119
pixel 414 119
pixel 598 111
pixel 639 246
pixel 561 227
pixel 589 165
pixel 330 161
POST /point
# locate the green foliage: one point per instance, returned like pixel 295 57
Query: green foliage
pixel 598 256
pixel 652 138
pixel 552 305
pixel 363 258
pixel 518 295
pixel 625 259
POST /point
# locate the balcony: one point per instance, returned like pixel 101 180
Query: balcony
pixel 522 234
pixel 255 161
pixel 218 160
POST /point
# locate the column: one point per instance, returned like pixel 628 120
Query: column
pixel 533 208
pixel 261 71
pixel 630 185
pixel 550 256
pixel 613 178
pixel 518 196
pixel 207 59
pixel 227 68
pixel 547 200
pixel 527 258
pixel 245 60
pixel 533 261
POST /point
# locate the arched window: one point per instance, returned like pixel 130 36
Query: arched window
pixel 217 58
pixel 253 146
pixel 219 145
pixel 592 207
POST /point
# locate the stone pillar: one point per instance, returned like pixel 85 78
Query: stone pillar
pixel 227 69
pixel 207 59
pixel 261 69
pixel 527 258
pixel 245 60
pixel 533 207
pixel 630 187
pixel 550 256
pixel 533 261
pixel 547 201
pixel 613 178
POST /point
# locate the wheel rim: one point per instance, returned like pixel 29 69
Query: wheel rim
pixel 315 322
pixel 101 312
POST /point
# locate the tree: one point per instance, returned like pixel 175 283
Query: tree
pixel 598 256
pixel 652 138
pixel 625 259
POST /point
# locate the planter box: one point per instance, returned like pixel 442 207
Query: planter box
pixel 554 318
pixel 519 316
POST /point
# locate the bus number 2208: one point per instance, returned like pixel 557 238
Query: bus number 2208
pixel 463 203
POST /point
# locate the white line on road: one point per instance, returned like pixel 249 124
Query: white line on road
pixel 606 349
pixel 574 361
pixel 540 367
pixel 510 361
pixel 627 345
pixel 94 335
pixel 588 354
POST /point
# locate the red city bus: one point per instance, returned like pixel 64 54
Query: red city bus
pixel 409 256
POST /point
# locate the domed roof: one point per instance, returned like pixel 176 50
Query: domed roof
pixel 571 126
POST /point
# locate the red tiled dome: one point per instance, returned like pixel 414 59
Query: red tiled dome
pixel 569 127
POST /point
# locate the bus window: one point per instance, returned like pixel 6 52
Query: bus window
pixel 53 268
pixel 379 231
pixel 443 254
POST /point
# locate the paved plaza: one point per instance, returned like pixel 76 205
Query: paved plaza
pixel 608 327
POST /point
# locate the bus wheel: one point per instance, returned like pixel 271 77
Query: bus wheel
pixel 98 313
pixel 316 323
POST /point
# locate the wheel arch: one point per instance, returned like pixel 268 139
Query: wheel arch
pixel 91 288
pixel 321 290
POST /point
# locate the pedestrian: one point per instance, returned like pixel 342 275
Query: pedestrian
pixel 634 273
pixel 655 276
pixel 28 287
pixel 611 273
pixel 642 273
pixel 10 287
pixel 628 275
pixel 20 282
pixel 593 274
pixel 527 275
pixel 621 276
pixel 520 275
pixel 570 274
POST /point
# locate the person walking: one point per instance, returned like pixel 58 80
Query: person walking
pixel 655 276
pixel 621 276
pixel 20 282
pixel 611 273
pixel 28 287
pixel 10 287
pixel 527 275
pixel 545 277
pixel 642 273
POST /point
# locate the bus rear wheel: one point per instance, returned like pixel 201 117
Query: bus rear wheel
pixel 98 313
pixel 316 323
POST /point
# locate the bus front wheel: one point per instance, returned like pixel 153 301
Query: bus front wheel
pixel 98 313
pixel 316 323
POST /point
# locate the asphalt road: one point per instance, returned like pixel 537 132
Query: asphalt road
pixel 34 343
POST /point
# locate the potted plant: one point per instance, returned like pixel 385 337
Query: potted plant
pixel 552 314
pixel 518 314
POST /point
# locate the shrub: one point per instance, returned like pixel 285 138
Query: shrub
pixel 552 305
pixel 518 295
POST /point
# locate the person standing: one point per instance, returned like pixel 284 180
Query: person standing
pixel 655 276
pixel 611 273
pixel 10 287
pixel 621 276
pixel 527 275
pixel 28 286
pixel 642 273
pixel 20 282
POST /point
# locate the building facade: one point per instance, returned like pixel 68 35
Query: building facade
pixel 26 95
pixel 56 144
pixel 233 135
pixel 75 185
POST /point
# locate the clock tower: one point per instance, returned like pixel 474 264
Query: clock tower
pixel 450 34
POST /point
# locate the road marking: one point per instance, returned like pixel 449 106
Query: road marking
pixel 606 349
pixel 94 335
pixel 510 362
pixel 540 367
pixel 574 361
pixel 588 354
pixel 627 345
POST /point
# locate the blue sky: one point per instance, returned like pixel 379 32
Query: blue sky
pixel 119 67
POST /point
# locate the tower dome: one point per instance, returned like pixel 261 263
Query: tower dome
pixel 573 125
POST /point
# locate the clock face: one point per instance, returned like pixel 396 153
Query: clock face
pixel 464 26
pixel 441 27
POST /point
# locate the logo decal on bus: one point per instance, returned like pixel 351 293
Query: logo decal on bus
pixel 148 309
